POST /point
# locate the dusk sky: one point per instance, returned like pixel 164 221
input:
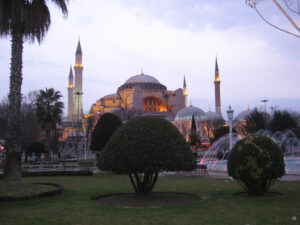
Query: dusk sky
pixel 167 38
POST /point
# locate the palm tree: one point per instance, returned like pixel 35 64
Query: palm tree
pixel 48 112
pixel 22 20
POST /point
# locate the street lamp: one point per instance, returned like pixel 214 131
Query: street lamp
pixel 265 103
pixel 230 118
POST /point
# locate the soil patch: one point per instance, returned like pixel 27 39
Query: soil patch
pixel 266 195
pixel 153 200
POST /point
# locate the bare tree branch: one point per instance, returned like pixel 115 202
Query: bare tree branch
pixel 253 3
pixel 289 7
pixel 286 15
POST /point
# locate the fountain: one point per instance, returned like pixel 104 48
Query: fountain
pixel 215 158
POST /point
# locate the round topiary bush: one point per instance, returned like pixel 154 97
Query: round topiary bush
pixel 105 127
pixel 256 162
pixel 142 148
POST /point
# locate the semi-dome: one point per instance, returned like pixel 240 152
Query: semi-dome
pixel 111 96
pixel 187 113
pixel 242 116
pixel 142 78
pixel 213 116
pixel 144 82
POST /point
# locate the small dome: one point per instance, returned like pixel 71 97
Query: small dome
pixel 187 113
pixel 142 78
pixel 242 116
pixel 213 116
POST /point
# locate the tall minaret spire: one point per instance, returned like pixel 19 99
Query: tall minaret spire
pixel 217 90
pixel 184 91
pixel 70 96
pixel 78 110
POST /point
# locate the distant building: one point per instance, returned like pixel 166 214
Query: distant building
pixel 205 122
pixel 71 136
pixel 141 95
pixel 240 121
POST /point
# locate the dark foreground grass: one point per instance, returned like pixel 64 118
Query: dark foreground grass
pixel 216 204
pixel 23 190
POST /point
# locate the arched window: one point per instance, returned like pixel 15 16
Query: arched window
pixel 153 104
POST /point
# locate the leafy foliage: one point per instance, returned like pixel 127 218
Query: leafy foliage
pixel 31 18
pixel 144 146
pixel 105 127
pixel 193 128
pixel 282 120
pixel 221 131
pixel 49 108
pixel 255 121
pixel 256 162
pixel 37 148
pixel 48 112
pixel 194 138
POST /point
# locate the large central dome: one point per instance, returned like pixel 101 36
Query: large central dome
pixel 144 82
pixel 142 78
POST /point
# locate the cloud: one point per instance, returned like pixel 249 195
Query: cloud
pixel 167 39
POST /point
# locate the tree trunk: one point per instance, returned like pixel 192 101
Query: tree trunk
pixel 12 171
pixel 143 183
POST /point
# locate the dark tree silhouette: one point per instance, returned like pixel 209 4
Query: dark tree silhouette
pixel 22 20
pixel 256 121
pixel 282 120
pixel 48 111
pixel 105 127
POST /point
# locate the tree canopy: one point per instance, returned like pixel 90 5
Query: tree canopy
pixel 256 162
pixel 256 121
pixel 282 120
pixel 48 112
pixel 105 127
pixel 144 146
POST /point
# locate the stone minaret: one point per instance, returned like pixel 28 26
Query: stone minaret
pixel 78 111
pixel 217 90
pixel 71 96
pixel 184 91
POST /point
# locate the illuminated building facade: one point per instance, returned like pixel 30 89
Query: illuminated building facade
pixel 141 95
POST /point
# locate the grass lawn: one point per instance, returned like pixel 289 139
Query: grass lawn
pixel 217 204
pixel 26 189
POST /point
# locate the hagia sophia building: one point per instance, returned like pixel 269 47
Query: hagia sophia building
pixel 142 95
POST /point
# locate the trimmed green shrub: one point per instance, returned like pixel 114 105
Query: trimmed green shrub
pixel 142 148
pixel 256 162
pixel 105 127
